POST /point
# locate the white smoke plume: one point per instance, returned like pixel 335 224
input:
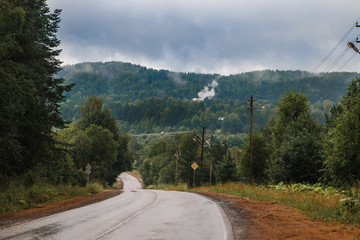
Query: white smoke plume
pixel 207 92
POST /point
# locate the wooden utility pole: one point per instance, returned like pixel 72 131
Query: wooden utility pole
pixel 202 147
pixel 251 136
pixel 211 141
pixel 177 164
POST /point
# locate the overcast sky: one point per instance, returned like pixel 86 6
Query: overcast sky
pixel 210 36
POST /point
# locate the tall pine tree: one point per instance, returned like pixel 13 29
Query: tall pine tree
pixel 30 92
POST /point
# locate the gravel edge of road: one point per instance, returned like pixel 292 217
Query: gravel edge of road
pixel 239 218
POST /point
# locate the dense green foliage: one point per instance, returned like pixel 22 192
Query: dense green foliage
pixel 288 149
pixel 261 154
pixel 95 139
pixel 32 144
pixel 296 142
pixel 127 82
pixel 291 148
pixel 118 81
pixel 170 114
pixel 226 169
pixel 168 153
pixel 148 100
pixel 343 142
pixel 30 95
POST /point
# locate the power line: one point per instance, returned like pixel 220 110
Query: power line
pixel 336 46
pixel 347 61
pixel 336 60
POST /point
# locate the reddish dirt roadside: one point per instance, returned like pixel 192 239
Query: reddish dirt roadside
pixel 266 220
pixel 46 210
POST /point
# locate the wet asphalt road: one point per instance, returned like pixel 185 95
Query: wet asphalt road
pixel 134 214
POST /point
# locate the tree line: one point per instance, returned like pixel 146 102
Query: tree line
pixel 156 114
pixel 137 95
pixel 293 147
pixel 32 142
pixel 30 95
pixel 95 139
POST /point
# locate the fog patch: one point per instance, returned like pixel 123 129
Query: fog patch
pixel 177 79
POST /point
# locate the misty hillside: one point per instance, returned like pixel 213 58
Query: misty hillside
pixel 136 94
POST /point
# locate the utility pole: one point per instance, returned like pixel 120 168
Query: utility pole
pixel 177 164
pixel 251 136
pixel 202 147
pixel 152 172
pixel 211 141
pixel 194 177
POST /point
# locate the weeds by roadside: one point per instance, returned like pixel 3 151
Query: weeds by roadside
pixel 16 196
pixel 316 201
pixel 168 187
pixel 94 187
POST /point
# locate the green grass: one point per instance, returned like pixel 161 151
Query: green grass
pixel 94 187
pixel 168 187
pixel 16 196
pixel 315 201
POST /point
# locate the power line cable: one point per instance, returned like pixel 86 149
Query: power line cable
pixel 351 46
pixel 336 46
pixel 347 62
pixel 336 60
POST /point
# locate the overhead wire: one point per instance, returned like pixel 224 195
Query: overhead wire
pixel 347 62
pixel 336 60
pixel 331 66
pixel 343 54
pixel 356 41
pixel 336 46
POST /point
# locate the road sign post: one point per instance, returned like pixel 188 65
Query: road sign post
pixel 194 166
pixel 88 171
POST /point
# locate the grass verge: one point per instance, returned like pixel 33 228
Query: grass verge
pixel 16 196
pixel 167 187
pixel 314 201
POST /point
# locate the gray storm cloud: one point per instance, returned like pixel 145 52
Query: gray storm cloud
pixel 226 37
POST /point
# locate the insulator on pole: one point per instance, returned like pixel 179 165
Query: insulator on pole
pixel 351 45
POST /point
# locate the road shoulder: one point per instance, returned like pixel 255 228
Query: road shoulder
pixel 267 220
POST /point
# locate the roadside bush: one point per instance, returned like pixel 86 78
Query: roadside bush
pixel 15 196
pixel 94 187
pixel 349 211
pixel 79 177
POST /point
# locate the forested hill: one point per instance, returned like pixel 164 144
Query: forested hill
pixel 128 82
pixel 128 88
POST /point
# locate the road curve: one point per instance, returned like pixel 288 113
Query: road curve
pixel 134 214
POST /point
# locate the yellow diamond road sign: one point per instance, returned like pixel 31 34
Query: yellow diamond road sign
pixel 194 166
